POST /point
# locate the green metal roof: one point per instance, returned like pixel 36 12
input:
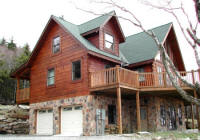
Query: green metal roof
pixel 94 23
pixel 74 30
pixel 141 47
pixel 137 48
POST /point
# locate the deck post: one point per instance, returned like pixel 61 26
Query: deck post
pixel 192 115
pixel 17 92
pixel 117 74
pixel 138 111
pixel 119 110
pixel 197 108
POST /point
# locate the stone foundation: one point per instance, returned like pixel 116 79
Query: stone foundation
pixel 92 102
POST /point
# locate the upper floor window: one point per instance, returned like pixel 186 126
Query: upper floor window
pixel 76 70
pixel 51 77
pixel 109 41
pixel 56 44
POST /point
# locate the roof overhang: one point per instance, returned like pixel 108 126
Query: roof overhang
pixel 141 63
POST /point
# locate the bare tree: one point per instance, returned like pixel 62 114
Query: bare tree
pixel 170 68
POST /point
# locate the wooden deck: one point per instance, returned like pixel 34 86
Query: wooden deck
pixel 151 81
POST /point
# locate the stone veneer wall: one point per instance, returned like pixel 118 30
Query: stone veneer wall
pixel 153 112
pixel 167 101
pixel 92 102
pixel 102 102
pixel 88 115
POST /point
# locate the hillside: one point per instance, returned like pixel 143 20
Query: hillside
pixel 11 57
pixel 8 56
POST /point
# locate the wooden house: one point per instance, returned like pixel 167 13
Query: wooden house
pixel 90 79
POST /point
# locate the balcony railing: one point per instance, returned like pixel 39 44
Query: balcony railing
pixel 22 95
pixel 118 75
pixel 113 76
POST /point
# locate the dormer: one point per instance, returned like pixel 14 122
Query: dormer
pixel 104 33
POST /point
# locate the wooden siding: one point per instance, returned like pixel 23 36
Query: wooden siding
pixel 94 39
pixel 62 62
pixel 110 28
pixel 97 64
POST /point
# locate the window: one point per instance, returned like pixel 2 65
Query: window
pixel 76 70
pixel 109 41
pixel 107 66
pixel 172 118
pixel 24 84
pixel 162 115
pixel 141 76
pixel 143 114
pixel 51 77
pixel 56 44
pixel 180 115
pixel 160 75
pixel 111 114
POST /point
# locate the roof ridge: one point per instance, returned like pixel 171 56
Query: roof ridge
pixel 96 18
pixel 63 19
pixel 150 29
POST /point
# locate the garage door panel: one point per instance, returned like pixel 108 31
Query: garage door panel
pixel 44 122
pixel 71 121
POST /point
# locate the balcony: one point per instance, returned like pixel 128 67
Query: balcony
pixel 149 81
pixel 22 95
pixel 23 92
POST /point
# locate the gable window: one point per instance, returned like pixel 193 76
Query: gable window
pixel 51 77
pixel 56 44
pixel 111 114
pixel 76 70
pixel 109 41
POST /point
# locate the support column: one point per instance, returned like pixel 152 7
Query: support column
pixel 17 92
pixel 138 111
pixel 119 110
pixel 197 107
pixel 192 115
pixel 197 111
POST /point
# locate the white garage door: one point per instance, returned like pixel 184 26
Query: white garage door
pixel 72 121
pixel 45 122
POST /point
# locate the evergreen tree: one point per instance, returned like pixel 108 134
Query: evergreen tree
pixel 23 57
pixel 3 41
pixel 11 44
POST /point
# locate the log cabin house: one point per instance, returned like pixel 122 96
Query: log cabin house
pixel 90 79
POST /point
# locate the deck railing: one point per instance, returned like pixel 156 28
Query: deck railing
pixel 118 75
pixel 23 95
pixel 113 76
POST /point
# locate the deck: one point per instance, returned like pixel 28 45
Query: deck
pixel 133 80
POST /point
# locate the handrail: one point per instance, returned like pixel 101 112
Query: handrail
pixel 118 75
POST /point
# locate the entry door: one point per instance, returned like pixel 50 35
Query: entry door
pixel 143 117
pixel 72 121
pixel 45 122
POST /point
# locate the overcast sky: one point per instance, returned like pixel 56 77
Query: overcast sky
pixel 24 20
